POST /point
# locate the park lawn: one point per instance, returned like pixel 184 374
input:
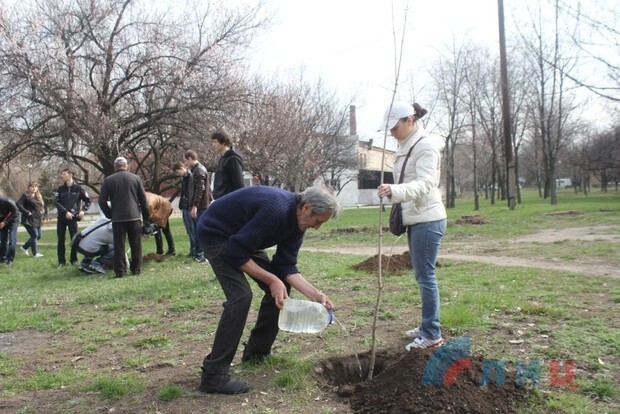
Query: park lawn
pixel 71 342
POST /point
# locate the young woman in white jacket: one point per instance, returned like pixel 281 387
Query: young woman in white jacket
pixel 423 211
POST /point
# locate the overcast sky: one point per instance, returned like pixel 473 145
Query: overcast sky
pixel 350 43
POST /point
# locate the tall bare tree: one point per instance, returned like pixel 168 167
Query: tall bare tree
pixel 294 133
pixel 449 77
pixel 553 99
pixel 593 27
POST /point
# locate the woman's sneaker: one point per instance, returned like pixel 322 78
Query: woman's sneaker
pixel 422 343
pixel 414 333
pixel 24 251
pixel 38 255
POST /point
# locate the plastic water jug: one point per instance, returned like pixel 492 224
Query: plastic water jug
pixel 304 316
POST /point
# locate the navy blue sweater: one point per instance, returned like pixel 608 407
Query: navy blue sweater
pixel 252 219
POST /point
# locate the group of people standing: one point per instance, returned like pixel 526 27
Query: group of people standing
pixel 195 195
pixel 30 208
pixel 135 208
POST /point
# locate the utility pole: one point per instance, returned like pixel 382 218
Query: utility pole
pixel 510 165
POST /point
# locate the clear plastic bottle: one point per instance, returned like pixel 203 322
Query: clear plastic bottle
pixel 303 316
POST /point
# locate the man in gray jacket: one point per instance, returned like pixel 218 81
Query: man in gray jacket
pixel 96 243
pixel 127 197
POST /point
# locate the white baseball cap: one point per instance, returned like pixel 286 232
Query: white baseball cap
pixel 398 110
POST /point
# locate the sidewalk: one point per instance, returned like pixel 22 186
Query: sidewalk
pixel 88 219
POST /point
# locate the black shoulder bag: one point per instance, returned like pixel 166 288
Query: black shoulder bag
pixel 396 215
pixel 75 240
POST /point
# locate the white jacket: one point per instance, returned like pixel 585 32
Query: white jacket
pixel 419 193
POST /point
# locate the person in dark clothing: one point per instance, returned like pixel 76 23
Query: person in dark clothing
pixel 234 231
pixel 71 203
pixel 127 197
pixel 9 222
pixel 31 205
pixel 186 182
pixel 199 196
pixel 229 172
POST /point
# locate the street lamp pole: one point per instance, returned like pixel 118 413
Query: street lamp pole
pixel 29 173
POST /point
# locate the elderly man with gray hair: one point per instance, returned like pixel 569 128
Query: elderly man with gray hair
pixel 127 197
pixel 234 232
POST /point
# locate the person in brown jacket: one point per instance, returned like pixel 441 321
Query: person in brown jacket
pixel 160 210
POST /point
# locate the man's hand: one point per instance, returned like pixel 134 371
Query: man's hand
pixel 322 298
pixel 68 216
pixel 278 292
pixel 193 212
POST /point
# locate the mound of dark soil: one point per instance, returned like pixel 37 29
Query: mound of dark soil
pixel 394 264
pixel 565 213
pixel 400 385
pixel 153 257
pixel 476 219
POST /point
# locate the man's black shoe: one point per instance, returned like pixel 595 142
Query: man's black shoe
pixel 172 253
pixel 222 384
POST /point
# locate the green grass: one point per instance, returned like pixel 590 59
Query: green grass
pixel 103 333
pixel 114 387
pixel 170 392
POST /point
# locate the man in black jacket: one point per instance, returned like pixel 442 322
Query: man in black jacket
pixel 229 173
pixel 186 182
pixel 127 200
pixel 199 196
pixel 9 222
pixel 71 203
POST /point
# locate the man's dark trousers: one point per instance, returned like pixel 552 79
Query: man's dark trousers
pixel 234 316
pixel 133 230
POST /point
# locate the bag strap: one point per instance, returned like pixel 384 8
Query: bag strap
pixel 402 170
pixel 95 228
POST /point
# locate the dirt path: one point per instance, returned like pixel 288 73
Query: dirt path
pixel 608 233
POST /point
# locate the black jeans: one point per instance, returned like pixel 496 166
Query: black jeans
pixel 61 231
pixel 169 240
pixel 133 230
pixel 234 316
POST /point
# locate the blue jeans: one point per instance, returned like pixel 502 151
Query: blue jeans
pixel 105 253
pixel 190 226
pixel 35 234
pixel 8 241
pixel 424 241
